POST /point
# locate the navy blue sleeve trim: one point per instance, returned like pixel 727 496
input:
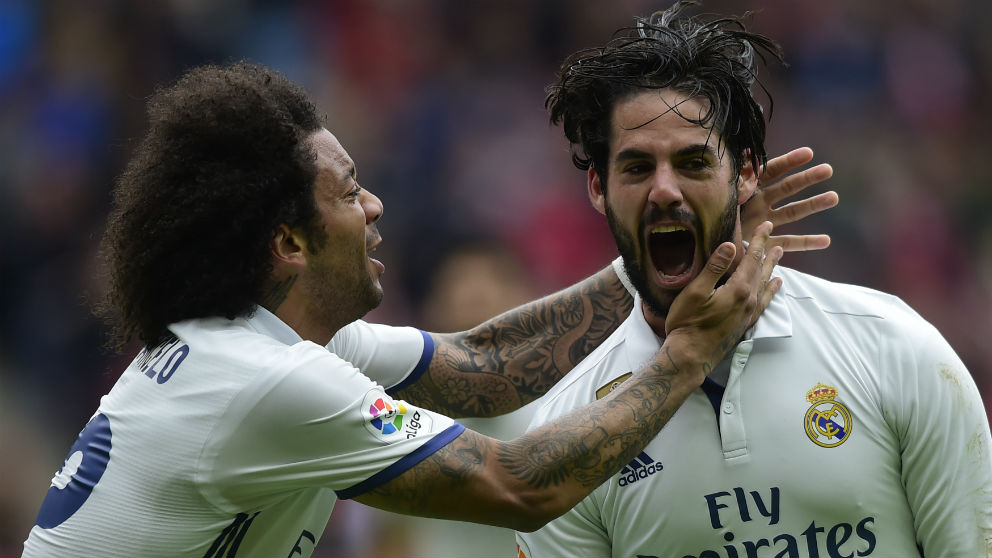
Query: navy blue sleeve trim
pixel 420 368
pixel 396 469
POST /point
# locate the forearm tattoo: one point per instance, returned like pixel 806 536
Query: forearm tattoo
pixel 516 357
pixel 449 468
pixel 593 443
pixel 584 447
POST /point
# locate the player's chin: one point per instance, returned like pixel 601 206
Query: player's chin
pixel 374 294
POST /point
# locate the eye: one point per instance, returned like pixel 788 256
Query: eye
pixel 637 168
pixel 696 163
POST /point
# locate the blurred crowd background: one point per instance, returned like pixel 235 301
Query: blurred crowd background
pixel 440 103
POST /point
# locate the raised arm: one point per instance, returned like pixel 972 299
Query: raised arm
pixel 526 482
pixel 514 358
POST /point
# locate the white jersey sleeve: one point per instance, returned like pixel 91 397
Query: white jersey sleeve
pixel 945 422
pixel 323 423
pixel 395 357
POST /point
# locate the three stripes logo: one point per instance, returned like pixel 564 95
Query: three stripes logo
pixel 641 467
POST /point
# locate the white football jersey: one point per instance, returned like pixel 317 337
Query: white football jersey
pixel 392 356
pixel 234 439
pixel 845 426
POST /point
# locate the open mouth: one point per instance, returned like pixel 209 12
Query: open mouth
pixel 672 249
pixel 370 249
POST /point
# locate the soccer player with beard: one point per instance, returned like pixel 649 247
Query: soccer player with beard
pixel 841 424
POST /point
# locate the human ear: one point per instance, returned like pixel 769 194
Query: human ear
pixel 747 182
pixel 287 247
pixel 597 195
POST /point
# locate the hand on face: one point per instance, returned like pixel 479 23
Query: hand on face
pixel 759 207
pixel 671 199
pixel 711 319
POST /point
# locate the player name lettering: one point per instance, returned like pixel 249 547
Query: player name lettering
pixel 172 353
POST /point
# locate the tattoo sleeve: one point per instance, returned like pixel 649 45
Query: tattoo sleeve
pixel 590 445
pixel 514 358
pixel 550 469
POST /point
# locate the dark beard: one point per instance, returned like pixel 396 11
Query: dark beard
pixel 626 245
pixel 338 298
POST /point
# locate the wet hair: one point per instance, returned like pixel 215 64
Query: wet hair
pixel 226 160
pixel 712 60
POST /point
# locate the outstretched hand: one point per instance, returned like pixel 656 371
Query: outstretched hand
pixel 759 209
pixel 709 320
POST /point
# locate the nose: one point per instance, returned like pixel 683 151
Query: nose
pixel 372 206
pixel 666 190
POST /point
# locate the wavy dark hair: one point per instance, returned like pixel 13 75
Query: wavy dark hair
pixel 712 60
pixel 225 161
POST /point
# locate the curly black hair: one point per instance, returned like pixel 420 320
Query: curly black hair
pixel 712 60
pixel 225 161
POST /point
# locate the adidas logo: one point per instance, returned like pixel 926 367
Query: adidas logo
pixel 639 468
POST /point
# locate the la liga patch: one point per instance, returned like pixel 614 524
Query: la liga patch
pixel 383 416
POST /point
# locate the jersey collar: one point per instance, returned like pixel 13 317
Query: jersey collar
pixel 641 342
pixel 268 324
pixel 776 320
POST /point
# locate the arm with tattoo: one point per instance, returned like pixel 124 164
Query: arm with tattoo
pixel 514 358
pixel 526 482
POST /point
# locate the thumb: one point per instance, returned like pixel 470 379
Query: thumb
pixel 715 268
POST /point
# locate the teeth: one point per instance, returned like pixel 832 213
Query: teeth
pixel 667 229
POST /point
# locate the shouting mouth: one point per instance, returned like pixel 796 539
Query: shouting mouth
pixel 673 254
pixel 370 248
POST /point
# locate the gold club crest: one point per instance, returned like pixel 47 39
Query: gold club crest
pixel 828 423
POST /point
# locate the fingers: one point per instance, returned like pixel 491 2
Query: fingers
pixel 754 254
pixel 795 183
pixel 769 263
pixel 782 164
pixel 751 284
pixel 688 306
pixel 800 242
pixel 712 316
pixel 715 268
pixel 768 286
pixel 798 210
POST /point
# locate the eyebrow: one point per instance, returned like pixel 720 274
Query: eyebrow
pixel 630 154
pixel 697 149
pixel 689 150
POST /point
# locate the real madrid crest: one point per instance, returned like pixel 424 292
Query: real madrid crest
pixel 828 423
